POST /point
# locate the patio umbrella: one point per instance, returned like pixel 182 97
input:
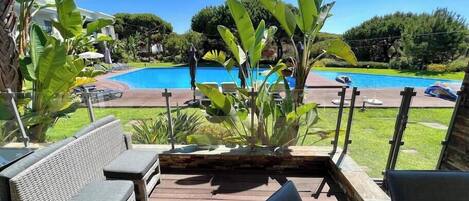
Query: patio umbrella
pixel 243 74
pixel 193 65
pixel 91 55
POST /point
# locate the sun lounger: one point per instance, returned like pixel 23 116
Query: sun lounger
pixel 229 87
pixel 275 91
pixel 105 95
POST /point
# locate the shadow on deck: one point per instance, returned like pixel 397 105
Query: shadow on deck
pixel 241 185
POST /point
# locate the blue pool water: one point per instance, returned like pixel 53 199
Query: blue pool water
pixel 384 81
pixel 157 78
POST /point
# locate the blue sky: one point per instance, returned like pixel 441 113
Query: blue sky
pixel 347 13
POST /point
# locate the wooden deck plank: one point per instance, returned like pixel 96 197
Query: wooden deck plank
pixel 231 186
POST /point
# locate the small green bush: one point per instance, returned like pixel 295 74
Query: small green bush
pixel 400 63
pixel 437 68
pixel 373 64
pixel 155 131
pixel 178 59
pixel 329 62
pixel 458 65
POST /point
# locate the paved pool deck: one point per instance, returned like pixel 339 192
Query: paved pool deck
pixel 324 97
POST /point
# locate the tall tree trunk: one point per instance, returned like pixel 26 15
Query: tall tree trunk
pixel 10 76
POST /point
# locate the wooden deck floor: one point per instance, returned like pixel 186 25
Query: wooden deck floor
pixel 240 186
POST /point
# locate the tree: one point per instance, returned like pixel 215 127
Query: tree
pixel 435 38
pixel 207 20
pixel 372 39
pixel 425 38
pixel 177 45
pixel 10 76
pixel 149 26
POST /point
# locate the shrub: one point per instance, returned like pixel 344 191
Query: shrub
pixel 400 63
pixel 437 68
pixel 329 62
pixel 8 132
pixel 155 131
pixel 458 65
pixel 373 64
pixel 178 59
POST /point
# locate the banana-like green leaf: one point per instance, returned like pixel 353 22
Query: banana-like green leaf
pixel 103 38
pixel 308 13
pixel 27 69
pixel 97 25
pixel 243 23
pixel 230 41
pixel 339 48
pixel 229 64
pixel 324 13
pixel 282 13
pixel 38 41
pixel 218 99
pixel 52 59
pixel 255 51
pixel 216 56
pixel 69 18
pixel 300 111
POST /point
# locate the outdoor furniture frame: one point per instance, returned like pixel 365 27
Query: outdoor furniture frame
pixel 145 177
pixel 73 169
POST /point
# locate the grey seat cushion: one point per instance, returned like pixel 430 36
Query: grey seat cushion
pixel 106 191
pixel 131 164
pixel 24 163
pixel 427 185
pixel 288 192
pixel 94 126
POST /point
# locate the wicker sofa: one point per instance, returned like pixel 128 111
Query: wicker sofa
pixel 74 168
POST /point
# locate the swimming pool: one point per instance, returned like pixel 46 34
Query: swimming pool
pixel 177 77
pixel 384 81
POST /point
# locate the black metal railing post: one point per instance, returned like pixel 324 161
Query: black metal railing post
pixel 347 140
pixel 18 118
pixel 335 142
pixel 401 124
pixel 253 95
pixel 167 96
pixel 89 105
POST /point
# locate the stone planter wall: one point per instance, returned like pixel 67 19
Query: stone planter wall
pixel 456 153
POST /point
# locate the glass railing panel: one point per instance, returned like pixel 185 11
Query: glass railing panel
pixel 426 130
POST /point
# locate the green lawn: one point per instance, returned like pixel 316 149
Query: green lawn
pixel 371 131
pixel 418 73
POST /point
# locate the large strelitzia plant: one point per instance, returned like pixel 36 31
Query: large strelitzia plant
pixel 53 67
pixel 269 123
pixel 310 18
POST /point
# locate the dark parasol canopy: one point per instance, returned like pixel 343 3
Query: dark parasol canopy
pixel 193 65
pixel 243 74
